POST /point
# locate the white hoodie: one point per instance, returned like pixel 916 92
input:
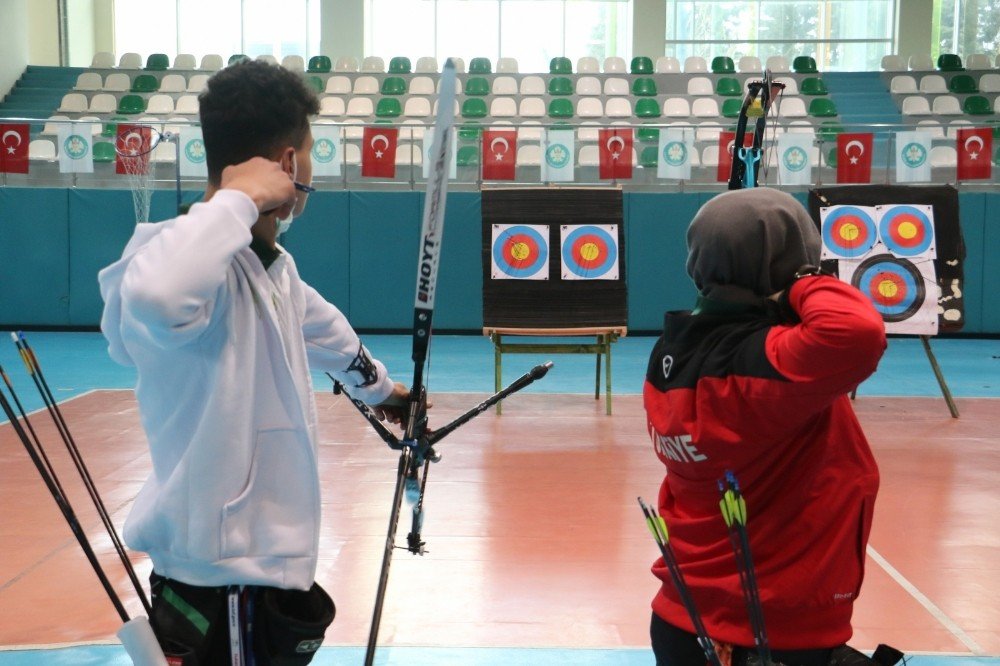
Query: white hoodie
pixel 225 396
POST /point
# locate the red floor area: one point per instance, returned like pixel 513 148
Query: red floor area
pixel 532 527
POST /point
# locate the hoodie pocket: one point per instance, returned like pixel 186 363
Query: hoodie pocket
pixel 276 514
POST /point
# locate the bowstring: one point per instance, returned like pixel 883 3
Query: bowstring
pixel 776 106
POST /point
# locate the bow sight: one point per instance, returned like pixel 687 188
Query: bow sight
pixel 756 104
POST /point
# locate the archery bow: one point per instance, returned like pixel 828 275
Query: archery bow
pixel 757 103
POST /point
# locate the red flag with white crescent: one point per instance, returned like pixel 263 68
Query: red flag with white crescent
pixel 975 150
pixel 14 140
pixel 378 152
pixel 132 149
pixel 615 150
pixel 726 142
pixel 499 154
pixel 854 158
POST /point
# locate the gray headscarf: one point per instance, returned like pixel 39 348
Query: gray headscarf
pixel 747 244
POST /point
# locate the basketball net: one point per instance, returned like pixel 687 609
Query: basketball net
pixel 134 145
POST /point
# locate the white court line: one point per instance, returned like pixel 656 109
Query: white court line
pixel 924 601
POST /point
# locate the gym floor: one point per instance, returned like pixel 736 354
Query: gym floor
pixel 538 551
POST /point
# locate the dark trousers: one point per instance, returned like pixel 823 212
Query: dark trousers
pixel 675 647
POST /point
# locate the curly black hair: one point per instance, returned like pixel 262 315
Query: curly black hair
pixel 253 109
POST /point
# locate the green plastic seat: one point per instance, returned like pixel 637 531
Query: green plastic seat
pixel 821 107
pixel 963 84
pixel 828 130
pixel 470 131
pixel 560 85
pixel 560 65
pixel 727 86
pixel 237 57
pixel 644 87
pixel 319 65
pixel 977 105
pixel 388 107
pixel 130 105
pixel 480 66
pixel 467 156
pixel 723 65
pixel 831 157
pixel 641 65
pixel 477 86
pixel 399 65
pixel 315 84
pixel 649 157
pixel 813 86
pixel 157 62
pixel 104 151
pixel 731 108
pixel 474 107
pixel 648 134
pixel 804 65
pixel 560 108
pixel 111 127
pixel 145 83
pixel 394 85
pixel 949 62
pixel 647 107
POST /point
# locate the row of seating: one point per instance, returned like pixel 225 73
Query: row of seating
pixel 949 105
pixel 946 62
pixel 121 82
pixel 935 83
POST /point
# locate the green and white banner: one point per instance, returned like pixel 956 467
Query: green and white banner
pixel 76 150
pixel 557 156
pixel 675 154
pixel 327 150
pixel 913 157
pixel 193 164
pixel 794 164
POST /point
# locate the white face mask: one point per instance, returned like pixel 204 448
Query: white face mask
pixel 285 224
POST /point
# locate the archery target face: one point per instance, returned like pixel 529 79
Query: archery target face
pixel 904 292
pixel 590 252
pixel 849 232
pixel 907 231
pixel 520 252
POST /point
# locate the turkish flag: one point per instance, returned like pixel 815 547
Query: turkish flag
pixel 132 149
pixel 726 142
pixel 975 150
pixel 499 153
pixel 615 146
pixel 854 158
pixel 14 141
pixel 378 152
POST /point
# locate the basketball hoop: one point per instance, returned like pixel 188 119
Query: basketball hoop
pixel 134 146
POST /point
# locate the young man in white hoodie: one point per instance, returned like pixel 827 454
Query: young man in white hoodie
pixel 222 332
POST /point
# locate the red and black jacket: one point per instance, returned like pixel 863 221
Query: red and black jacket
pixel 768 400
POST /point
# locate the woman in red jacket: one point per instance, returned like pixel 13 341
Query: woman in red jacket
pixel 755 380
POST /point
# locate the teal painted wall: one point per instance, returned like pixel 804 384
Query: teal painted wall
pixel 359 249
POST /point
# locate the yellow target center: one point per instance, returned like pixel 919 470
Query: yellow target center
pixel 589 251
pixel 850 232
pixel 888 289
pixel 907 230
pixel 520 251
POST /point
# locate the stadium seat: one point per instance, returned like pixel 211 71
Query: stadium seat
pixel 946 105
pixel 480 66
pixel 474 107
pixel 977 61
pixel 723 65
pixel 211 62
pixel 791 87
pixel 467 156
pixel 820 107
pixel 560 65
pixel 331 106
pixel 614 65
pixel 88 81
pixel 373 64
pixel 955 125
pixel 145 83
pixel 931 127
pixel 949 62
pixel 893 63
pixel 989 83
pixel 777 64
pixel 366 85
pixel 319 64
pixel 421 85
pixel 977 105
pixel 529 156
pixel 560 108
pixel 503 107
pixel 962 84
pixel 268 58
pixel 644 87
pixel 804 65
pixel 426 65
pixel 338 85
pixel 587 65
pixel 588 156
pixel 157 62
pixel 530 130
pixel 393 85
pixel 933 83
pixel 793 107
pixel 916 105
pixel 728 87
pixel 458 63
pixel 695 64
pixel 641 65
pixel 588 85
pixel 293 63
pixel 618 107
pixel 590 107
pixel 104 152
pixel 458 109
pixel 346 64
pixel 160 104
pixel 532 85
pixel 902 83
pixel 102 60
pixel 731 108
pixel 750 64
pixel 359 107
pixel 676 107
pixel 647 107
pixel 647 134
pixel 399 65
pixel 705 107
pixel 417 107
pixel 616 86
pixel 470 131
pixel 560 85
pixel 103 103
pixel 185 61
pixel 828 130
pixel 173 83
pixel 667 65
pixel 813 86
pixel 477 86
pixel 943 156
pixel 649 157
pixel 314 82
pixel 130 105
pixel 531 107
pixel 921 62
pixel 506 65
pixel 388 107
pixel 708 131
pixel 700 85
pixel 237 57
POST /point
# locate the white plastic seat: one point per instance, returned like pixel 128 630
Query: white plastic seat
pixel 529 130
pixel 211 62
pixel 373 64
pixel 103 103
pixel 588 132
pixel 531 107
pixel 352 153
pixel 933 83
pixel 103 60
pixel 588 85
pixel 173 83
pixel 616 86
pixel 117 82
pixel 458 86
pixel 185 61
pixel 506 66
pixel 777 64
pixel 893 63
pixel 996 105
pixel 946 105
pixel 358 107
pixel 268 58
pixel 955 125
pixel 529 155
pixel 332 106
pixel 417 107
pixel 457 110
pixel 676 107
pixel 160 104
pixel 614 65
pixel 338 85
pixel 458 63
pixel 346 64
pixel 187 105
pixel 618 107
pixel 413 129
pixel 793 107
pixel 695 64
pixel 708 131
pixel 409 154
pixel 590 107
pixel 532 85
pixel 366 85
pixel 801 127
pixel 989 83
pixel 915 105
pixel 667 65
pixel 921 62
pixel 705 107
pixel 791 85
pixel 53 124
pixel 506 107
pixel 426 65
pixel 710 155
pixel 587 65
pixel 421 85
pixel 700 85
pixel 749 64
pixel 88 81
pixel 505 85
pixel 354 131
pixel 944 156
pixel 130 61
pixel 41 149
pixel 197 83
pixel 294 63
pixel 977 61
pixel 931 127
pixel 164 152
pixel 903 83
pixel 589 156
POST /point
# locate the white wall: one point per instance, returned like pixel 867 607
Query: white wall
pixel 14 44
pixel 43 32
pixel 80 25
pixel 343 29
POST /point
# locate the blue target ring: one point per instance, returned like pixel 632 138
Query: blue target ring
pixel 849 232
pixel 520 251
pixel 589 251
pixel 906 231
pixel 894 286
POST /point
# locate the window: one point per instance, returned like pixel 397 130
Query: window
pixel 848 35
pixel 966 26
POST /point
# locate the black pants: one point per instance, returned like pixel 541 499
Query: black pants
pixel 675 647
